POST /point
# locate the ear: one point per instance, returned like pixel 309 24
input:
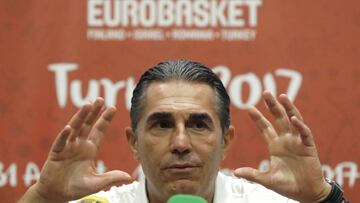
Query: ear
pixel 132 141
pixel 228 138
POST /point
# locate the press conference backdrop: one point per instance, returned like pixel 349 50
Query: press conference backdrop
pixel 57 55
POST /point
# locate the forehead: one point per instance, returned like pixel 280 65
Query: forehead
pixel 179 96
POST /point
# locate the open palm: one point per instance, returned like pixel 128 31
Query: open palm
pixel 69 172
pixel 295 169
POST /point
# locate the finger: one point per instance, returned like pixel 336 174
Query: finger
pixel 101 125
pixel 305 132
pixel 60 140
pixel 96 109
pixel 265 127
pixel 290 108
pixel 91 117
pixel 279 113
pixel 253 175
pixel 111 178
pixel 77 120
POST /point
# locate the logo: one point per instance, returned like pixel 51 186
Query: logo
pixel 177 20
pixel 66 86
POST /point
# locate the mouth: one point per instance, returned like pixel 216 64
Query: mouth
pixel 184 168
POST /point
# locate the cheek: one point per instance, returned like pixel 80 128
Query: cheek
pixel 151 149
pixel 210 150
pixel 151 155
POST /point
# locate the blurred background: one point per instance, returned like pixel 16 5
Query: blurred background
pixel 56 55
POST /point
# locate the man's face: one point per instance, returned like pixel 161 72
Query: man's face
pixel 179 140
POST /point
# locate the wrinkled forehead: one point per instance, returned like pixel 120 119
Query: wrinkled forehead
pixel 175 96
pixel 182 87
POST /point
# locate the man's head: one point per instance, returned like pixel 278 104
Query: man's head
pixel 181 70
pixel 180 129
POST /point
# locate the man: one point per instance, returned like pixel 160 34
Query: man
pixel 180 131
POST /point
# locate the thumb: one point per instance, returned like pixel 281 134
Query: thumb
pixel 253 175
pixel 111 178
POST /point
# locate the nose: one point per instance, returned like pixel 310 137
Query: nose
pixel 180 142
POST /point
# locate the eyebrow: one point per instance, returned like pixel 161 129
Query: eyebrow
pixel 159 116
pixel 200 116
pixel 168 116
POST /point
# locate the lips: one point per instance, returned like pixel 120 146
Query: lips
pixel 182 167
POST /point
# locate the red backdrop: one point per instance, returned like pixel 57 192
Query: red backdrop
pixel 55 55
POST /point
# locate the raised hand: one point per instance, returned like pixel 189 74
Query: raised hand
pixel 295 169
pixel 69 172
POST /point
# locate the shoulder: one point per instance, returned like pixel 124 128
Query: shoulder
pixel 123 194
pixel 242 189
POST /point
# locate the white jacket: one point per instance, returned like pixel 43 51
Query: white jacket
pixel 227 190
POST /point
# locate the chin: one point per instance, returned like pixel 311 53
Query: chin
pixel 183 186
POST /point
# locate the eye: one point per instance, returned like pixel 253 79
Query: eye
pixel 198 125
pixel 163 124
